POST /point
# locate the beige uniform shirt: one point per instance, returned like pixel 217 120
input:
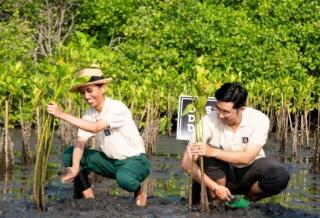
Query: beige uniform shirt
pixel 122 139
pixel 253 129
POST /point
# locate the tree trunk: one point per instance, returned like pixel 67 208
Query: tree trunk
pixel 8 145
pixel 316 161
pixel 295 135
pixel 169 115
pixel 307 129
pixel 26 133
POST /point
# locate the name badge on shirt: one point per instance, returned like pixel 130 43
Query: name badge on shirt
pixel 107 132
pixel 245 139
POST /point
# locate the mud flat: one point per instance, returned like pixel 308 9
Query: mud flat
pixel 167 187
pixel 105 205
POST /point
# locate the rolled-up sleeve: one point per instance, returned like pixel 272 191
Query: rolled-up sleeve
pixel 82 133
pixel 117 116
pixel 260 132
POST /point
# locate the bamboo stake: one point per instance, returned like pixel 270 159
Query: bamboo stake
pixel 191 184
pixel 38 120
pixel 45 139
pixel 199 135
pixel 204 195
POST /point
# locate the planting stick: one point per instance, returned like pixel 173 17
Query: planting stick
pixel 44 143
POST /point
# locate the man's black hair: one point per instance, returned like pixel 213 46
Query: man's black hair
pixel 232 92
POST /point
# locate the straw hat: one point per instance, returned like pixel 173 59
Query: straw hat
pixel 89 76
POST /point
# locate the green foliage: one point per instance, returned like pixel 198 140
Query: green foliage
pixel 150 48
pixel 16 45
pixel 107 19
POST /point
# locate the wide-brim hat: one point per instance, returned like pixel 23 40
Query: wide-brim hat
pixel 89 76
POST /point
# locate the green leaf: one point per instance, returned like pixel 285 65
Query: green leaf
pixel 188 109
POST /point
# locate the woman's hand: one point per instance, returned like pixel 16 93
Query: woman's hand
pixel 54 109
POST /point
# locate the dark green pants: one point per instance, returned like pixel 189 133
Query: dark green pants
pixel 128 173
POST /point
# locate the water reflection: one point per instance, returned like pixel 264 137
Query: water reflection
pixel 6 177
pixel 302 192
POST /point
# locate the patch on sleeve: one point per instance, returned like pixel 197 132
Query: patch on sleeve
pixel 107 132
pixel 245 139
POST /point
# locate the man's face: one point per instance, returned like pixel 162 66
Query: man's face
pixel 93 94
pixel 227 114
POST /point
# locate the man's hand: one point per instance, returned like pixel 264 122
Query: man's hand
pixel 223 193
pixel 190 154
pixel 199 148
pixel 70 174
pixel 54 109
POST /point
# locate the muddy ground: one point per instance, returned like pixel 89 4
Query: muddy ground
pixel 105 205
pixel 167 190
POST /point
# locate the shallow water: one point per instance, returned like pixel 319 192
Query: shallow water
pixel 167 188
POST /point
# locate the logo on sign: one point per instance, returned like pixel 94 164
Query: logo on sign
pixel 185 126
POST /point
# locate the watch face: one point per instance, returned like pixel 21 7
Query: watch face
pixel 107 132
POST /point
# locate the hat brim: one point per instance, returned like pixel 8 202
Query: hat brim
pixel 77 87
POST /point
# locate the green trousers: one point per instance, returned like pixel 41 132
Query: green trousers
pixel 128 173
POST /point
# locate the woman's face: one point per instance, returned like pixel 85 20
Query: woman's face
pixel 94 95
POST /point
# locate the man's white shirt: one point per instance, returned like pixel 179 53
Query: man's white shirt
pixel 253 129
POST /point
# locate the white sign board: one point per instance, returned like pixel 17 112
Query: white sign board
pixel 185 126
